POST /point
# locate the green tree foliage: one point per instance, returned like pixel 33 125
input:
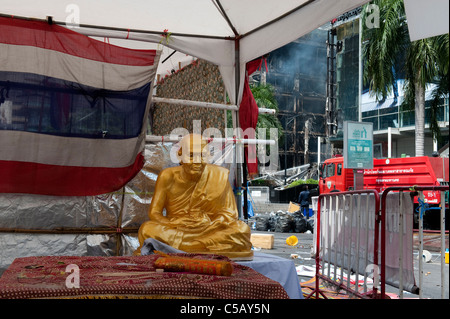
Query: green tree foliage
pixel 264 95
pixel 424 61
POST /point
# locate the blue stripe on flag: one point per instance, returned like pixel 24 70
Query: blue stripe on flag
pixel 42 104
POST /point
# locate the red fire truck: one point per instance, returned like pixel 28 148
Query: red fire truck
pixel 388 172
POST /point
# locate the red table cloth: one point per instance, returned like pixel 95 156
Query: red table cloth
pixel 128 277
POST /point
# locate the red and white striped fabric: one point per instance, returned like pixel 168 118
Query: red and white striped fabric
pixel 72 110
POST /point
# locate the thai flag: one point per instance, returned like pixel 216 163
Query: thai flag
pixel 72 110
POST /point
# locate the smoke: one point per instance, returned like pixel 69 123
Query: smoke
pixel 298 72
pixel 303 64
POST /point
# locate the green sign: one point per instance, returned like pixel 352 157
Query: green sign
pixel 358 145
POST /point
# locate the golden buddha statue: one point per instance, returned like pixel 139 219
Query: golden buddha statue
pixel 201 212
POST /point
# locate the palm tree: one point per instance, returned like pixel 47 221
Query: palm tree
pixel 442 82
pixel 389 48
pixel 264 95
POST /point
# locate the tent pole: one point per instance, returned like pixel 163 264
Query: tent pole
pixel 239 156
pixel 80 26
pixel 175 139
pixel 157 99
pixel 231 107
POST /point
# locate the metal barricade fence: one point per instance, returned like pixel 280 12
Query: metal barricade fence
pixel 401 225
pixel 360 232
pixel 348 237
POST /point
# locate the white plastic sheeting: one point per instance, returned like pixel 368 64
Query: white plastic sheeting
pixel 37 225
pixel 102 225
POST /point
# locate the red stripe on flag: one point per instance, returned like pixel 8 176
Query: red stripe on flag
pixel 54 37
pixel 43 179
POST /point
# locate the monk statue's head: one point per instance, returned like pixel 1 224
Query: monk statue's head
pixel 193 154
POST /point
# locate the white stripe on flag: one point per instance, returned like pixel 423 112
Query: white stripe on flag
pixel 19 58
pixel 74 151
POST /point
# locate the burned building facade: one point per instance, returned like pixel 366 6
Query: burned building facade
pixel 298 74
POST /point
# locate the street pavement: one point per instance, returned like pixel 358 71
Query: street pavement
pixel 431 270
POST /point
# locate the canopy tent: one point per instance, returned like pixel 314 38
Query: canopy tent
pixel 223 32
pixel 228 33
pixel 426 18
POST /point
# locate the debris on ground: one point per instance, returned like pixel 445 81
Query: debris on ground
pixel 283 222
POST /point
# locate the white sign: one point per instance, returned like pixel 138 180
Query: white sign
pixel 358 145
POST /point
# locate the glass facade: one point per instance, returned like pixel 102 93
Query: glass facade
pixel 393 117
pixel 383 114
pixel 347 72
